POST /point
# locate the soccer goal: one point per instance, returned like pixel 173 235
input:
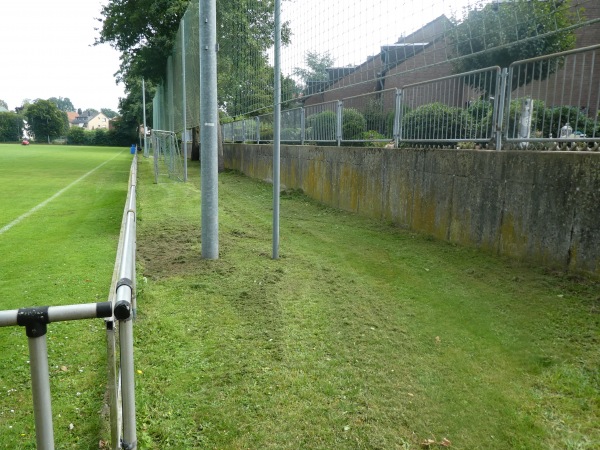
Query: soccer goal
pixel 168 161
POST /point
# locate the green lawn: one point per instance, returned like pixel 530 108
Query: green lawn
pixel 361 336
pixel 62 253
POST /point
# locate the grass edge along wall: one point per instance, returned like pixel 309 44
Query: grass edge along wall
pixel 538 206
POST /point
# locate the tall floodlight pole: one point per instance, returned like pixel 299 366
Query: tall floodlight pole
pixel 144 109
pixel 276 129
pixel 209 170
pixel 184 103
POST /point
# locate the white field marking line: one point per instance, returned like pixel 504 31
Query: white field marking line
pixel 45 202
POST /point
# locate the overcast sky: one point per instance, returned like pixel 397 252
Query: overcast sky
pixel 46 51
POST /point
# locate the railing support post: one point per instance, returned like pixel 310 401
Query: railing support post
pixel 40 388
pixel 499 124
pixel 302 125
pixel 398 118
pixel 338 128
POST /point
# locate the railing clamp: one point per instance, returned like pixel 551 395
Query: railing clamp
pixel 34 320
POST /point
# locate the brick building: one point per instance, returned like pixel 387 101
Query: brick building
pixel 425 55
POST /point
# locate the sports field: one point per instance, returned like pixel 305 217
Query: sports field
pixel 60 215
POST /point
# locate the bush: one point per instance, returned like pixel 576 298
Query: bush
pixel 372 139
pixel 76 136
pixel 482 112
pixel 353 124
pixel 546 121
pixel 437 121
pixel 321 126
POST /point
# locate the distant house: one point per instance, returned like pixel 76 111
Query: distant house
pixel 90 121
pixel 72 116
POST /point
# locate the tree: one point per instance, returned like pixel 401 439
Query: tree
pixel 45 120
pixel 109 113
pixel 499 34
pixel 144 32
pixel 91 112
pixel 64 104
pixel 316 67
pixel 11 127
pixel 3 104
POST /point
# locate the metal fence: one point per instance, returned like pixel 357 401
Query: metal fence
pixel 560 111
pixel 487 108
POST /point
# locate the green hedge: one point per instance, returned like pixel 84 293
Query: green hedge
pixel 101 137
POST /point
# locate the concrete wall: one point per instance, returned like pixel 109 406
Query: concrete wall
pixel 539 206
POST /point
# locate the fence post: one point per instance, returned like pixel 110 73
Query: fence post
pixel 184 101
pixel 501 106
pixel 277 130
pixel 302 125
pixel 144 110
pixel 209 119
pixel 398 118
pixel 339 114
pixel 257 119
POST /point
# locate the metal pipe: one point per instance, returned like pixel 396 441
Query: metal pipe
pixel 40 388
pixel 277 129
pixel 209 136
pixel 184 102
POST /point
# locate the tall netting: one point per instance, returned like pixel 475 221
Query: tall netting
pixel 384 72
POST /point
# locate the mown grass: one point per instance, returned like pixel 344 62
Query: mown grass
pixel 361 336
pixel 63 253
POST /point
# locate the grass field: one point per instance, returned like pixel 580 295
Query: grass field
pixel 361 336
pixel 61 253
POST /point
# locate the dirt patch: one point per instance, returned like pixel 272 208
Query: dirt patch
pixel 169 251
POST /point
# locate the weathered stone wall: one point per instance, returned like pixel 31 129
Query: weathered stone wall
pixel 540 206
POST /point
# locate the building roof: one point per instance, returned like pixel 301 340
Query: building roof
pixel 72 115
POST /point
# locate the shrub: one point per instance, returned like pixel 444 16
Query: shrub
pixel 321 126
pixel 437 121
pixel 372 138
pixel 353 124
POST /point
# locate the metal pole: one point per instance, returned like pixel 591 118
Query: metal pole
pixel 208 131
pixel 123 311
pixel 500 108
pixel 184 105
pixel 40 388
pixel 277 129
pixel 144 110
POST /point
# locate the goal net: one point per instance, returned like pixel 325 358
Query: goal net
pixel 168 162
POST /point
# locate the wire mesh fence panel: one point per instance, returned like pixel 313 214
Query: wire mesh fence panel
pixel 322 122
pixel 292 125
pixel 369 117
pixel 451 109
pixel 265 128
pixel 558 109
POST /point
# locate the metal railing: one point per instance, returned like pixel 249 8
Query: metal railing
pixel 119 308
pixel 546 103
pixel 559 108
